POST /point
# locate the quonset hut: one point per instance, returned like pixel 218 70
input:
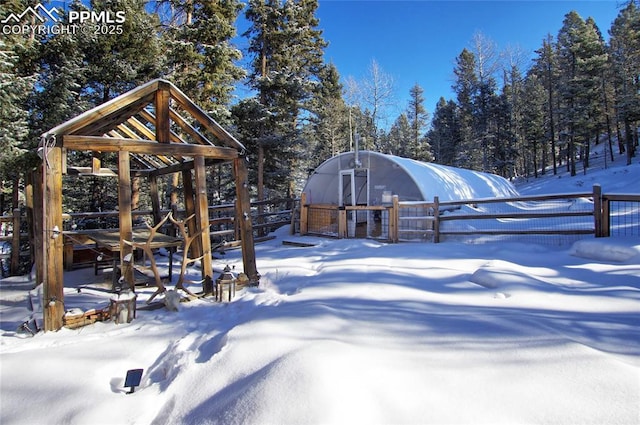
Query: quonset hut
pixel 371 179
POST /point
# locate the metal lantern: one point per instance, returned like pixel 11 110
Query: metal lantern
pixel 226 285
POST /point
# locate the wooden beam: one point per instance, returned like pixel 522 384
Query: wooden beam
pixel 155 199
pixel 103 124
pixel 243 217
pixel 121 108
pixel 162 122
pixel 188 128
pixel 146 132
pixel 124 208
pixel 190 209
pixel 52 241
pixel 148 116
pixel 39 248
pixel 304 215
pixel 89 171
pixel 110 144
pixel 175 168
pixel 145 162
pixel 182 166
pixel 141 128
pixel 124 129
pixel 96 164
pixel 204 119
pixel 202 216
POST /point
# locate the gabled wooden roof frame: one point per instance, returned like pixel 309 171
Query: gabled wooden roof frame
pixel 162 141
pixel 118 125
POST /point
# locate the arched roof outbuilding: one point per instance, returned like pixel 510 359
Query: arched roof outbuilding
pixel 411 180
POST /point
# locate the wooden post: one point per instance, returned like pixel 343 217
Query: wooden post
pixel 38 222
pixel 597 211
pixel 53 288
pixel 163 129
pixel 243 217
pixel 96 163
pixel 15 243
pixel 237 231
pixel 190 209
pixel 436 219
pixel 68 254
pixel 202 215
pixel 126 227
pixel 304 215
pixel 31 222
pixel 394 219
pixel 155 199
pixel 342 223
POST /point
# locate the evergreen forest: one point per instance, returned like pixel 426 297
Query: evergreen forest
pixel 507 117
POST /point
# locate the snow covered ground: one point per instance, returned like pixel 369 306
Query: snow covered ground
pixel 355 332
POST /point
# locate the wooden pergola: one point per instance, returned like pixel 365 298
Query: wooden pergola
pixel 155 129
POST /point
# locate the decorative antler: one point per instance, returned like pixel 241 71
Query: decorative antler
pixel 146 248
pixel 185 250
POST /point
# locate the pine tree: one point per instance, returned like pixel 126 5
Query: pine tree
pixel 399 141
pixel 418 116
pixel 18 73
pixel 625 53
pixel 116 63
pixel 15 90
pixel 466 88
pixel 286 49
pixel 62 79
pixel 200 59
pixel 502 127
pixel 330 120
pixel 444 134
pixel 511 101
pixel 593 67
pixel 532 156
pixel 569 84
pixel 582 60
pixel 545 70
pixel 484 101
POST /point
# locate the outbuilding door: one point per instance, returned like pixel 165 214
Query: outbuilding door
pixel 354 190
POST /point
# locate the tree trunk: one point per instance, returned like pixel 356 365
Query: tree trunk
pixel 629 140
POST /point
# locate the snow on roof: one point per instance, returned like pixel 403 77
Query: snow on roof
pixel 411 180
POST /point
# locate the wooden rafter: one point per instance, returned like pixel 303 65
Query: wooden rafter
pixel 111 144
pixel 147 134
pixel 125 131
pixel 141 128
pixel 108 116
pixel 149 117
pixel 188 128
pixel 185 103
pixel 147 162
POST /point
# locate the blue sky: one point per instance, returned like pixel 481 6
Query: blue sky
pixel 418 41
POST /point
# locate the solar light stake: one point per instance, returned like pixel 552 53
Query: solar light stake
pixel 134 376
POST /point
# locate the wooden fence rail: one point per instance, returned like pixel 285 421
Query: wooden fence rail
pixel 266 215
pixel 587 213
